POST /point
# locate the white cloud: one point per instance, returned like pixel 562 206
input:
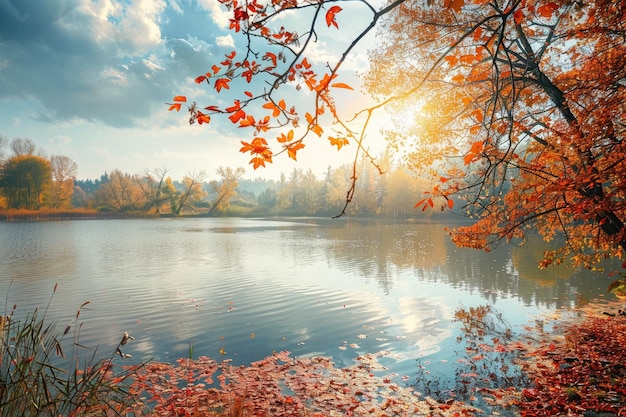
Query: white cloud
pixel 218 13
pixel 133 27
pixel 225 41
pixel 174 5
pixel 139 28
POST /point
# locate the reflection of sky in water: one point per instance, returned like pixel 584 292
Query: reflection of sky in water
pixel 251 287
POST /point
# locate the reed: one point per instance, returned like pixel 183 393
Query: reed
pixel 37 379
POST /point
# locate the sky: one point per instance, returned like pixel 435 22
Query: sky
pixel 89 79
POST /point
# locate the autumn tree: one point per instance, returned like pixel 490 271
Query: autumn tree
pixel 4 141
pixel 225 188
pixel 63 170
pixel 516 104
pixel 23 146
pixel 24 181
pixel 119 192
pixel 191 193
pixel 523 99
pixel 152 185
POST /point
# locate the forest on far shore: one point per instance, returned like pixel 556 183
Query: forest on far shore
pixel 36 186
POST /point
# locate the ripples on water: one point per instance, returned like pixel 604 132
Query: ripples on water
pixel 251 287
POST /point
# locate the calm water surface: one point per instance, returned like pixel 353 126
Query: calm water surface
pixel 241 289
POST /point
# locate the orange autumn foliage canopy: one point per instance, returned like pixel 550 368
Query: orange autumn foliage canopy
pixel 516 97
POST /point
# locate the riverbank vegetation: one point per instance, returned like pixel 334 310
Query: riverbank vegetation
pixel 44 372
pixel 30 190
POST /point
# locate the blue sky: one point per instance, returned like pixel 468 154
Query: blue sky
pixel 89 78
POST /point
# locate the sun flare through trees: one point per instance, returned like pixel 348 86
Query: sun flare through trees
pixel 521 117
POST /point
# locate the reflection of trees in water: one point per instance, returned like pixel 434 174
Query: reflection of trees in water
pixel 513 271
pixel 379 251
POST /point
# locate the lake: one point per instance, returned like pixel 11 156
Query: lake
pixel 241 289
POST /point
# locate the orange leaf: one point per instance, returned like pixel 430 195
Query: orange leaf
pixel 257 162
pixel 222 83
pixel 453 4
pixel 477 34
pixel 291 150
pixel 215 69
pixel 468 59
pixel 458 79
pixel 330 16
pixel 477 147
pixel 450 203
pixel 202 118
pixel 271 57
pixel 200 79
pixel 271 106
pixel 317 129
pixel 257 146
pixel 236 116
pixel 342 85
pixel 452 60
pixel 236 106
pixel 547 10
pixel 182 99
pixel 324 82
pixel 249 94
pixel 248 121
pixel 478 114
pixel 175 106
pixel 338 142
pixel 518 16
pixel 288 138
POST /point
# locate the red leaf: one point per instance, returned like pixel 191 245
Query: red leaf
pixel 200 79
pixel 222 83
pixel 330 16
pixel 518 16
pixel 236 116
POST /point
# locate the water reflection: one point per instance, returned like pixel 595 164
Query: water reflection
pixel 312 286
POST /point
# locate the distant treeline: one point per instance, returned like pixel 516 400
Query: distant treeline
pixel 37 187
